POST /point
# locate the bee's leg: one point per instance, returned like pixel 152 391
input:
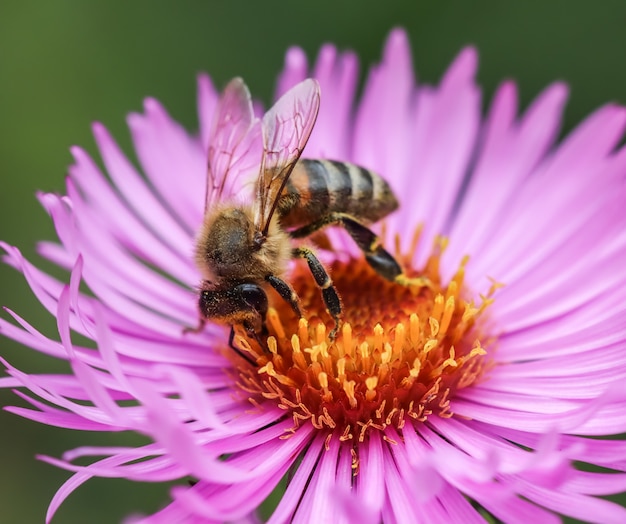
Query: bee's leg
pixel 323 280
pixel 376 255
pixel 286 292
pixel 231 343
pixel 197 329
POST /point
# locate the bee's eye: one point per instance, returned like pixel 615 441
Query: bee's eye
pixel 254 296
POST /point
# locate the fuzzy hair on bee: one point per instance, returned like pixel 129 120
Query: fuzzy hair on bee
pixel 229 246
pixel 244 248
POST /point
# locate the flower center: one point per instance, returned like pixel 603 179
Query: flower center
pixel 399 355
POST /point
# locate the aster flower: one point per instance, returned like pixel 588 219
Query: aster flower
pixel 476 396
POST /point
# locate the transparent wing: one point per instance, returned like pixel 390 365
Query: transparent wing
pixel 235 133
pixel 286 130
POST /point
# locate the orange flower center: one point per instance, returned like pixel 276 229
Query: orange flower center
pixel 399 356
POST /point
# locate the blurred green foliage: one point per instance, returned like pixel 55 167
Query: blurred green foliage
pixel 64 64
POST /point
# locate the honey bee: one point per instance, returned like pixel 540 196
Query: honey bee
pixel 244 247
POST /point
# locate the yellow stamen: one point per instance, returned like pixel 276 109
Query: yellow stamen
pixel 399 357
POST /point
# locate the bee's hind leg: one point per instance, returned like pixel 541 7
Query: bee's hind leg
pixel 376 255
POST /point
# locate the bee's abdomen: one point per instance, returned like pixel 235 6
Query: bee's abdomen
pixel 318 187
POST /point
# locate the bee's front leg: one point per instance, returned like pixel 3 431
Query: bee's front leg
pixel 231 344
pixel 199 328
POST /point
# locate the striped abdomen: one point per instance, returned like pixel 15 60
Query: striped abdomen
pixel 318 187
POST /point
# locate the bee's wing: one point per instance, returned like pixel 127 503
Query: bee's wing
pixel 235 132
pixel 286 130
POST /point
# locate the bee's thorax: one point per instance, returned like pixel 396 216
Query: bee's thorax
pixel 231 248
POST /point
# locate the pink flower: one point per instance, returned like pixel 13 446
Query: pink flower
pixel 472 397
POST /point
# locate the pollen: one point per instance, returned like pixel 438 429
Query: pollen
pixel 401 353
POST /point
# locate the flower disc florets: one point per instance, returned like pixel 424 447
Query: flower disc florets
pixel 399 356
pixel 411 393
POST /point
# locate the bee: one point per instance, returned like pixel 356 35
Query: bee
pixel 244 247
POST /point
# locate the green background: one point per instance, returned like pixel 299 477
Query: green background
pixel 64 64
